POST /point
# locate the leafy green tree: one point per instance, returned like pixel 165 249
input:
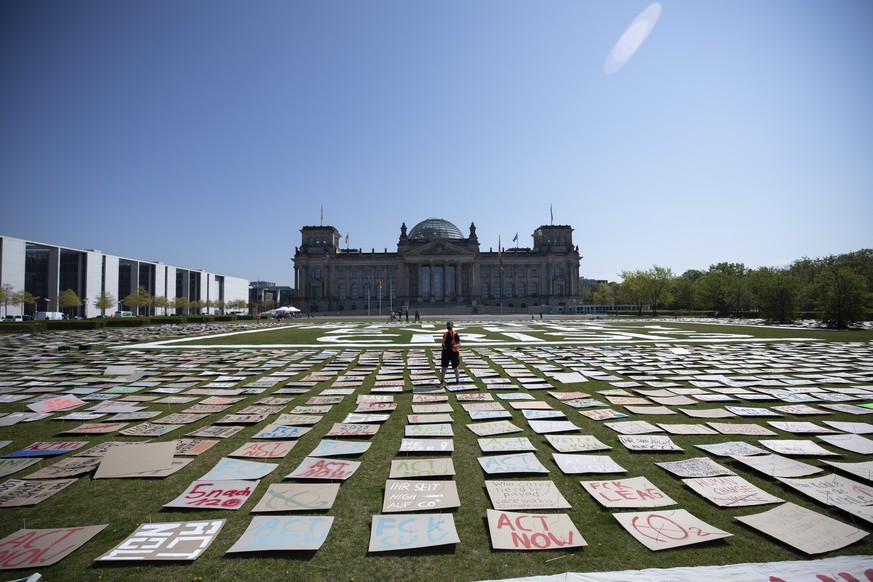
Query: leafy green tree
pixel 195 306
pixel 182 303
pixel 161 302
pixel 776 294
pixel 137 299
pixel 15 298
pixel 841 295
pixel 658 287
pixel 68 300
pixel 6 293
pixel 632 289
pixel 683 289
pixel 602 294
pixel 105 301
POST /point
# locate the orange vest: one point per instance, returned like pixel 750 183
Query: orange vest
pixel 455 342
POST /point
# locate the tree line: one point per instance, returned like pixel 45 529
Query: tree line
pixel 69 301
pixel 835 289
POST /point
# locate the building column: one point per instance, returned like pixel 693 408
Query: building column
pixel 459 289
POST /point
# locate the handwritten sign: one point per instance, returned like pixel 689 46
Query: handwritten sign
pixel 297 497
pixel 505 445
pixel 732 449
pixel 527 531
pixel 428 430
pixel 37 548
pixel 493 428
pixel 804 529
pixel 205 494
pixel 231 469
pixel 406 468
pixel 70 467
pixel 660 530
pixel 216 432
pixel 833 490
pixel 281 431
pixel 778 466
pixel 427 445
pixel 166 541
pixel 633 492
pixel 730 491
pixel 342 429
pixel 56 404
pixel 271 533
pixel 10 466
pixel 325 469
pixel 397 532
pixel 575 443
pixel 796 447
pixel 271 450
pixel 573 464
pixel 517 463
pixel 15 492
pixel 518 495
pixel 96 428
pixel 602 414
pixel 334 448
pixel 649 443
pixel 409 495
pixel 193 447
pixel 148 429
pixel 46 449
pixel 696 467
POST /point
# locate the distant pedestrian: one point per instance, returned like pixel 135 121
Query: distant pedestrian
pixel 450 354
pixel 407 315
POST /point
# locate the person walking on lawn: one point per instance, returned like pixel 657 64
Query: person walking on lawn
pixel 450 354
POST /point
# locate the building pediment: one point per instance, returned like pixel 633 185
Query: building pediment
pixel 439 248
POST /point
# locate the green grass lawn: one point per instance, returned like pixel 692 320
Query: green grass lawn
pixel 124 504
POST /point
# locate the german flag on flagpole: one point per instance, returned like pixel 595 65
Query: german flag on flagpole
pixel 347 240
pixel 499 253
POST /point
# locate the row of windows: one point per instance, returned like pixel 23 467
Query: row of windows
pixel 362 291
pixel 486 271
pixel 518 271
pixel 353 273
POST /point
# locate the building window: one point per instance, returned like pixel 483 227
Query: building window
pixel 355 291
pixel 342 291
pixel 558 272
pixel 353 274
pixel 316 273
pixel 533 272
pixel 559 288
pixel 484 291
pixel 484 271
pixel 533 289
pixel 509 272
pixel 507 289
pixel 520 290
pixel 425 281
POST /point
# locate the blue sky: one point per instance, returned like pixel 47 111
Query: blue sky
pixel 206 134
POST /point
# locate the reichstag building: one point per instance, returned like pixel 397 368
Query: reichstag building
pixel 436 266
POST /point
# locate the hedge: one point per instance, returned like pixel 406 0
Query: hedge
pixel 128 322
pixel 67 324
pixel 169 319
pixel 22 326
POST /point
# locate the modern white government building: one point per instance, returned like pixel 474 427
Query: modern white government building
pixel 46 270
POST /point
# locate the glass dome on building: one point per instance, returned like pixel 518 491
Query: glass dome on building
pixel 434 228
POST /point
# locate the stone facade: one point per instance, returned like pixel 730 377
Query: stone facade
pixel 435 266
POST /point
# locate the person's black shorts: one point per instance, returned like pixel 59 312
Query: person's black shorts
pixel 450 357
